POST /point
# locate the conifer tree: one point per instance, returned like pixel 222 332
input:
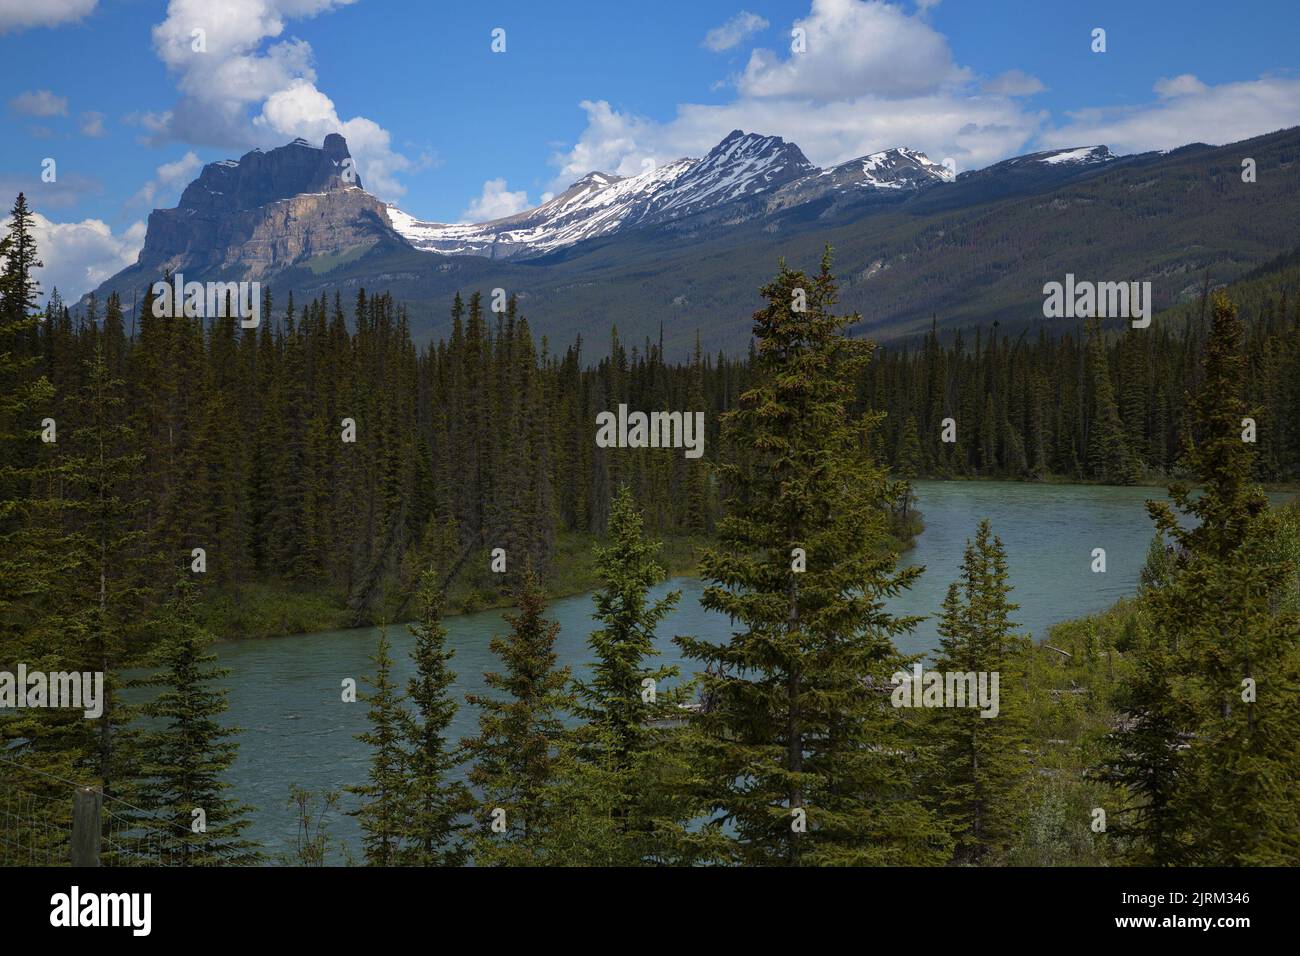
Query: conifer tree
pixel 20 291
pixel 384 810
pixel 191 819
pixel 514 750
pixel 1209 756
pixel 980 764
pixel 626 692
pixel 438 805
pixel 622 647
pixel 796 756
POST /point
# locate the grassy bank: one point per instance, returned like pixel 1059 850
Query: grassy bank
pixel 1072 676
pixel 278 608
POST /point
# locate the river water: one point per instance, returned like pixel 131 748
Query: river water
pixel 285 692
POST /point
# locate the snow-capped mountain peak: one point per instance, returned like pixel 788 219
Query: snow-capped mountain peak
pixel 741 165
pixel 897 168
pixel 739 168
pixel 595 205
pixel 1079 156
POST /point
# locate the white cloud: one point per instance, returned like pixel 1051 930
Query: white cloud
pixel 78 256
pixel 732 33
pixel 1013 83
pixel 1187 111
pixel 91 124
pixel 1182 85
pixel 873 77
pixel 496 202
pixel 302 110
pixel 245 91
pixel 39 103
pixel 168 182
pixel 18 15
pixel 855 48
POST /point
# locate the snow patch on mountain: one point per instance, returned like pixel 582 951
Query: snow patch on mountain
pixel 742 166
pixel 595 205
pixel 1082 155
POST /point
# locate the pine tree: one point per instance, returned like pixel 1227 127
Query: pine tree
pixel 1109 457
pixel 1209 757
pixel 438 805
pixel 108 591
pixel 625 692
pixel 907 461
pixel 796 756
pixel 191 820
pixel 384 811
pixel 19 290
pixel 514 750
pixel 980 761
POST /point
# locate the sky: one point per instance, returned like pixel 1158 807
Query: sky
pixel 119 96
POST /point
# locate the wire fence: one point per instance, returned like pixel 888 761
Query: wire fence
pixel 35 829
pixel 72 822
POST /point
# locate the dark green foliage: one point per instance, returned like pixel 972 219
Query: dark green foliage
pixel 980 768
pixel 1097 404
pixel 790 725
pixel 437 805
pixel 183 764
pixel 1208 754
pixel 515 748
pixel 383 811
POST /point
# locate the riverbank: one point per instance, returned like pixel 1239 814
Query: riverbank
pixel 281 608
pixel 1271 487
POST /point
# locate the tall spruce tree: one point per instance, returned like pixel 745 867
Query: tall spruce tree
pixel 980 760
pixel 191 820
pixel 625 695
pixel 383 812
pixel 514 750
pixel 20 290
pixel 438 805
pixel 798 759
pixel 1209 755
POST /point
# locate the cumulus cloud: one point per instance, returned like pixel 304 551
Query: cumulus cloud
pixel 302 110
pixel 249 86
pixel 735 31
pixel 78 256
pixel 18 15
pixel 39 103
pixel 1187 111
pixel 1183 85
pixel 168 182
pixel 495 202
pixel 91 124
pixel 872 77
pixel 855 48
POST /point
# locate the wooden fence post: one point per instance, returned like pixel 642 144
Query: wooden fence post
pixel 87 804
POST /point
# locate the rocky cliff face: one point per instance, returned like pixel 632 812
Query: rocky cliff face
pixel 265 211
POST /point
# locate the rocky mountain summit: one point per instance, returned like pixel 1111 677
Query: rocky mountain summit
pixel 252 216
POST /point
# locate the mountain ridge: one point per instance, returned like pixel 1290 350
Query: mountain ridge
pixel 966 250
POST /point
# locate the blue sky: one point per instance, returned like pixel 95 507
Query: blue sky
pixel 114 92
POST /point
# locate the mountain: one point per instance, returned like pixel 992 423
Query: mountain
pixel 890 169
pixel 684 247
pixel 595 205
pixel 741 166
pixel 252 217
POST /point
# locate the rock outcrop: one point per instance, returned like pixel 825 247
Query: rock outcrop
pixel 265 211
